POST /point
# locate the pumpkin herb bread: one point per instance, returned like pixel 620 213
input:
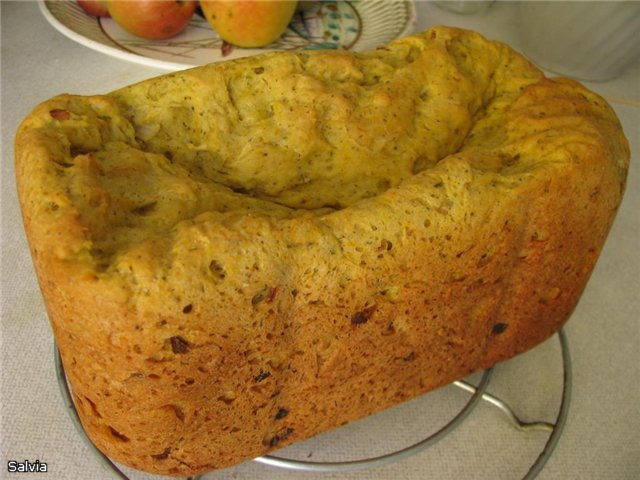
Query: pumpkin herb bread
pixel 245 254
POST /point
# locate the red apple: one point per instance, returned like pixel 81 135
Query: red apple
pixel 97 8
pixel 152 19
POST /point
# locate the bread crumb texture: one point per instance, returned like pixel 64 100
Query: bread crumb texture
pixel 245 254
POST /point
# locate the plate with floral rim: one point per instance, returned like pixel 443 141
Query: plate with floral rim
pixel 326 24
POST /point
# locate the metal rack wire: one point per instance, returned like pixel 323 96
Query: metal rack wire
pixel 478 393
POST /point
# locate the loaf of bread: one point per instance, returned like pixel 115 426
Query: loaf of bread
pixel 245 254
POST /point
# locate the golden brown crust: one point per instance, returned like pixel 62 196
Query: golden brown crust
pixel 206 316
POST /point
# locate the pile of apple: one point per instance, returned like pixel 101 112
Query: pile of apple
pixel 243 23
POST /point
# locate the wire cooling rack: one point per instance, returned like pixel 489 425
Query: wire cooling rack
pixel 478 394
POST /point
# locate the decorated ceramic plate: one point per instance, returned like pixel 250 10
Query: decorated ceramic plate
pixel 352 25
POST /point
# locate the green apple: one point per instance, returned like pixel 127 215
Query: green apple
pixel 249 23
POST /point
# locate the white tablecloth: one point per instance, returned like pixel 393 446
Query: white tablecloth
pixel 601 439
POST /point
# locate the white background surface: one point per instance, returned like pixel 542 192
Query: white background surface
pixel 602 436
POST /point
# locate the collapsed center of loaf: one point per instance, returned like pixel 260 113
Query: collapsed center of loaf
pixel 308 131
pixel 276 136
